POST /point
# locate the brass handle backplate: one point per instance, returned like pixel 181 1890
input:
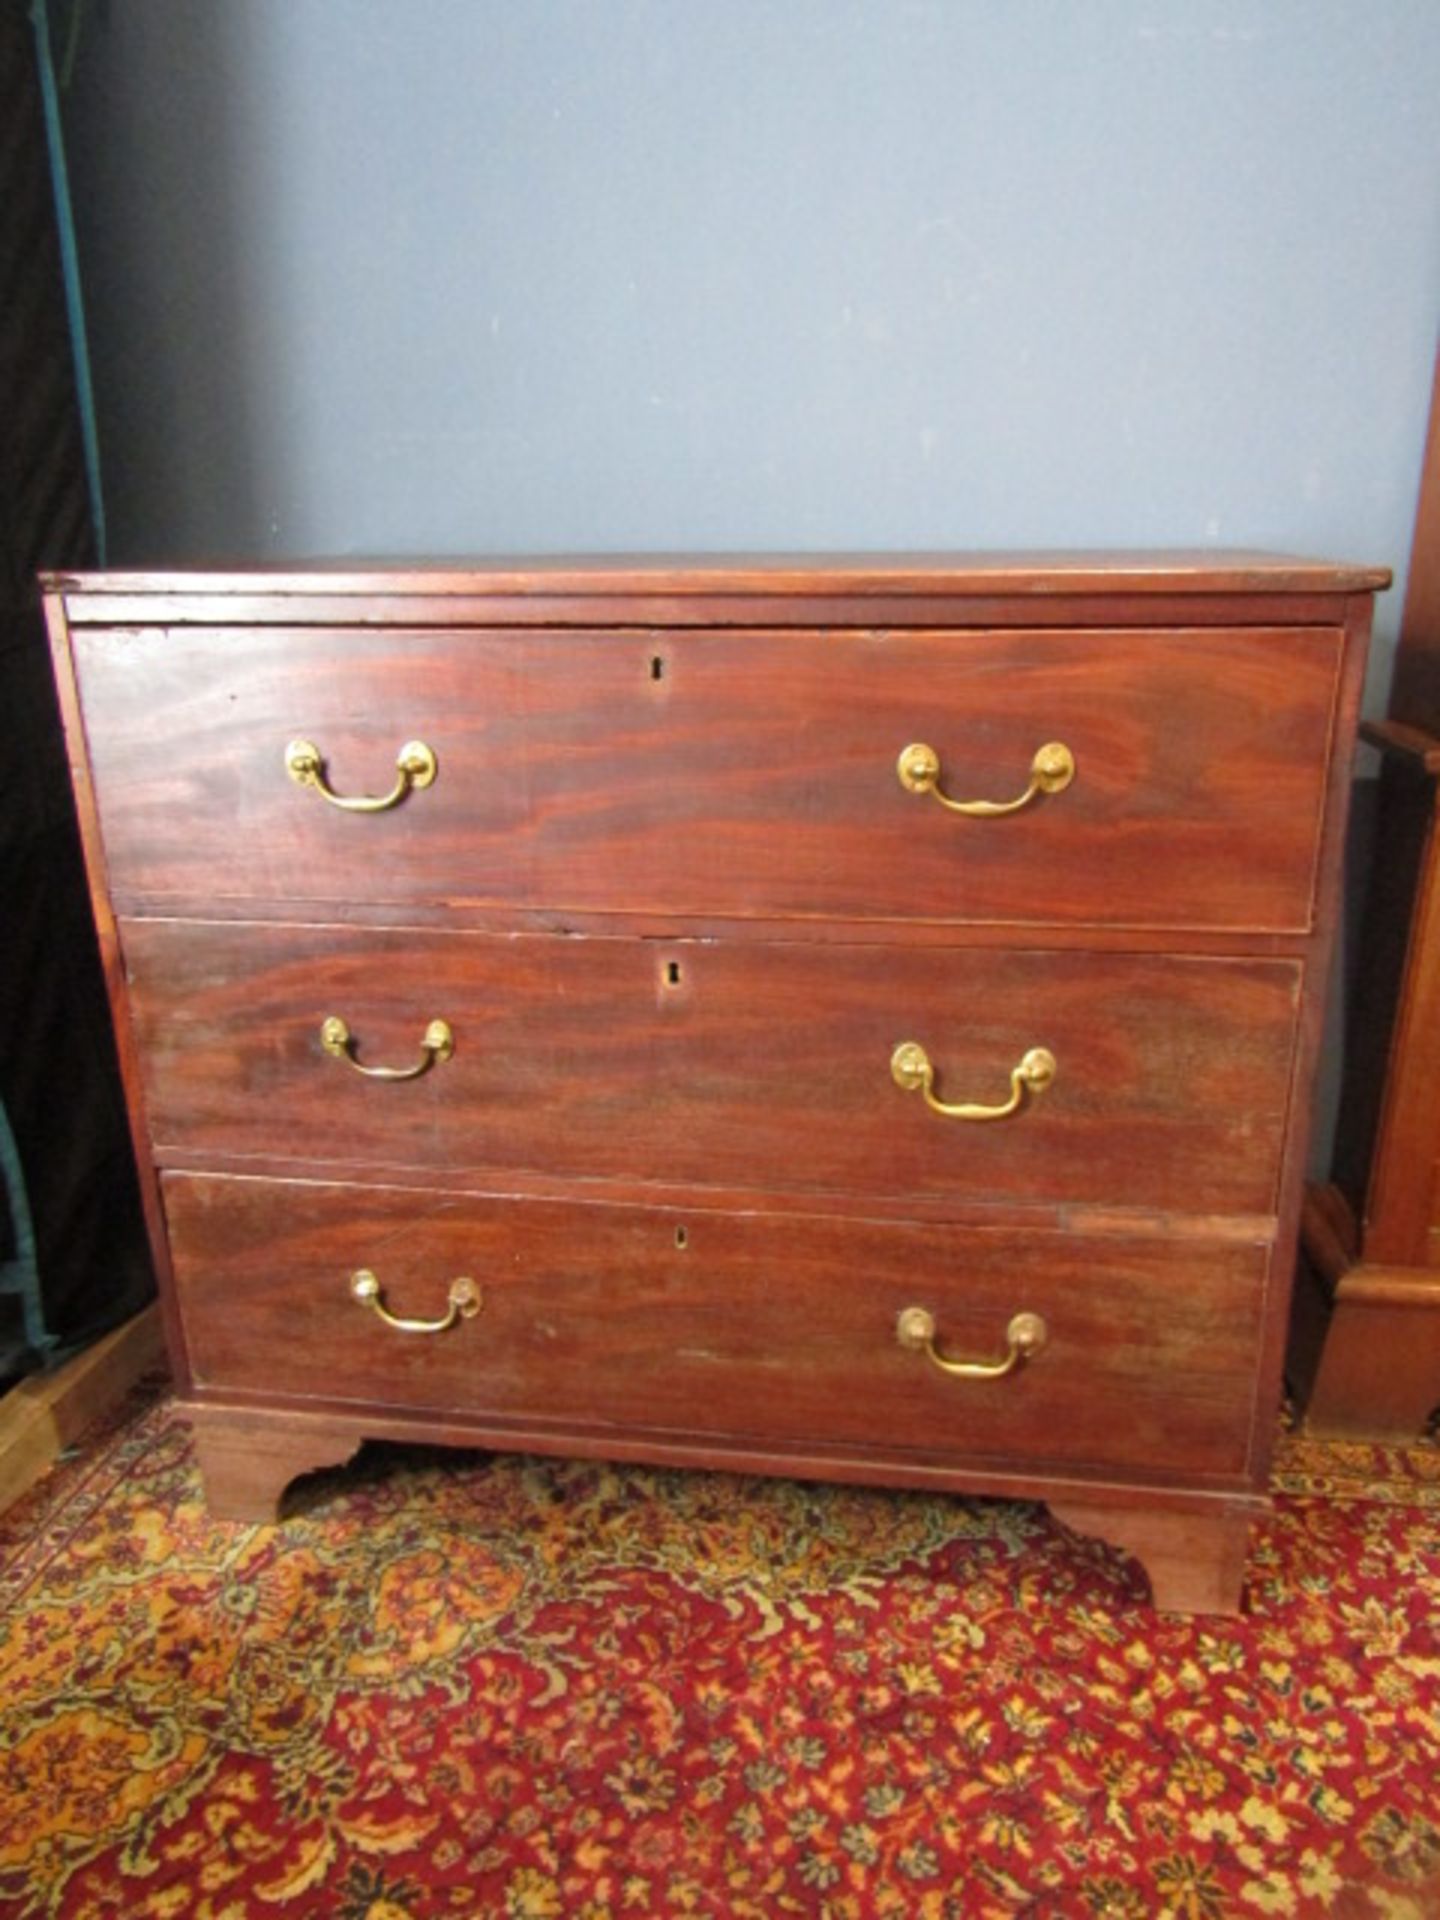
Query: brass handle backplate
pixel 1051 771
pixel 464 1304
pixel 910 1068
pixel 438 1043
pixel 1025 1335
pixel 415 766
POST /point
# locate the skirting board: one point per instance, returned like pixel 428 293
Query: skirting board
pixel 43 1415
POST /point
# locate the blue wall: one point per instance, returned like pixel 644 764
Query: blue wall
pixel 446 276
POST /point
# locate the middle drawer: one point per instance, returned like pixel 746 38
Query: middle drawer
pixel 706 1063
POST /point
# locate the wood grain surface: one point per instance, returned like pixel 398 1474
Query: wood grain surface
pixel 1197 573
pixel 723 1063
pixel 718 1325
pixel 746 774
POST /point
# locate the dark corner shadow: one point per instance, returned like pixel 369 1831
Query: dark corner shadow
pixel 1389 819
pixel 166 235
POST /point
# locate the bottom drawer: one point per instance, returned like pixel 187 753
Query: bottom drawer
pixel 771 1328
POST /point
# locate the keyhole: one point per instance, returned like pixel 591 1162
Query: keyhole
pixel 682 1238
pixel 657 667
pixel 672 973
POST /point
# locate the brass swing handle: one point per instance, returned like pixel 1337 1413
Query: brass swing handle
pixel 910 1068
pixel 438 1043
pixel 414 767
pixel 1051 771
pixel 464 1304
pixel 1025 1335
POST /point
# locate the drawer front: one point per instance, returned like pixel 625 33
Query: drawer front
pixel 722 774
pixel 754 1327
pixel 750 1064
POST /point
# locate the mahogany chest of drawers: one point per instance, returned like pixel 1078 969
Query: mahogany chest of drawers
pixel 851 1018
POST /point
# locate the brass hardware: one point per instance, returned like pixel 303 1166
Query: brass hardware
pixel 1025 1335
pixel 464 1304
pixel 414 767
pixel 438 1043
pixel 1051 771
pixel 910 1068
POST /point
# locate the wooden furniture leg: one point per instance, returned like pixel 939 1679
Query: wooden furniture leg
pixel 1365 1340
pixel 1195 1561
pixel 247 1465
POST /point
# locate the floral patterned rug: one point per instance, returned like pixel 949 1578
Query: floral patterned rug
pixel 470 1686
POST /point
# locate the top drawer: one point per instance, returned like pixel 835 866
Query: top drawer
pixel 721 774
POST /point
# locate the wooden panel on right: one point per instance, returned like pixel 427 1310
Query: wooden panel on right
pixel 1365 1338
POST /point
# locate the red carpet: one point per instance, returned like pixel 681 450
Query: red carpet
pixel 468 1686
